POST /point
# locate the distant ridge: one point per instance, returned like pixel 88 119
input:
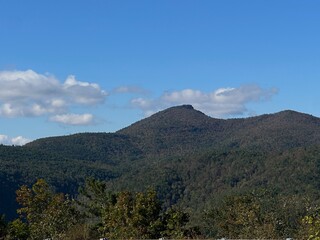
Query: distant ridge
pixel 184 128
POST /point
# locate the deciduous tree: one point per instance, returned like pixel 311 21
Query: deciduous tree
pixel 48 214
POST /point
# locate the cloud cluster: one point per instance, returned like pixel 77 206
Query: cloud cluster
pixel 30 94
pixel 223 102
pixel 27 93
pixel 73 119
pixel 18 141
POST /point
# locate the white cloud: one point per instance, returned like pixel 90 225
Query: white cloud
pixel 73 119
pixel 27 93
pixel 130 89
pixel 18 141
pixel 143 103
pixel 83 92
pixel 222 102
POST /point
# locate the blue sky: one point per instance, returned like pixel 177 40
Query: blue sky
pixel 98 66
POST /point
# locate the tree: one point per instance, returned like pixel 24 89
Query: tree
pixel 238 217
pixel 175 221
pixel 258 214
pixel 133 216
pixel 48 214
pixel 127 215
pixel 17 230
pixel 94 197
pixel 311 224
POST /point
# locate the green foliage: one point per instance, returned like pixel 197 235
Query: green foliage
pixel 127 215
pixel 99 212
pixel 81 232
pixel 175 222
pixel 240 217
pixel 94 198
pixel 259 214
pixel 311 223
pixel 48 215
pixel 17 230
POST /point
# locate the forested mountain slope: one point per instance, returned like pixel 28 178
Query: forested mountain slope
pixel 188 157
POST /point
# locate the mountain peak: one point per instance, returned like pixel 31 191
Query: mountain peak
pixel 185 106
pixel 289 111
pixel 176 116
pixel 294 115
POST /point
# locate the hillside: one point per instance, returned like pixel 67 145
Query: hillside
pixel 185 129
pixel 190 158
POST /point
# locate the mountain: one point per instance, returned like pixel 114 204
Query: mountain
pixel 185 129
pixel 175 130
pixel 190 158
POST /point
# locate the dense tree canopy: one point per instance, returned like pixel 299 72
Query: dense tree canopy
pixel 187 157
pixel 98 212
pixel 257 214
pixel 45 214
